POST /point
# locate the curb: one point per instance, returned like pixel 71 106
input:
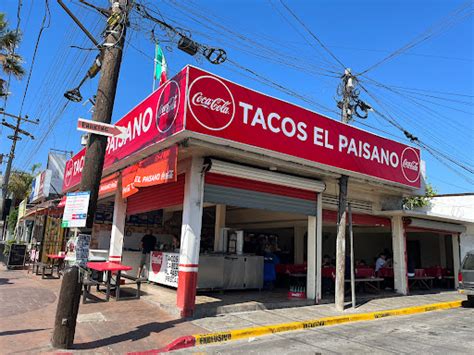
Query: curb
pixel 245 333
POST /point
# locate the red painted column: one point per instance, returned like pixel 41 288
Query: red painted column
pixel 190 237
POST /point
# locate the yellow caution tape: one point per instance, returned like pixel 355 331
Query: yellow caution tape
pixel 219 337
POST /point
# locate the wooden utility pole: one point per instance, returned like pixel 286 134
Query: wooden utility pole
pixel 112 51
pixel 16 136
pixel 346 116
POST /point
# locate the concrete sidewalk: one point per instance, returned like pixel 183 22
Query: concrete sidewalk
pixel 28 306
pixel 241 320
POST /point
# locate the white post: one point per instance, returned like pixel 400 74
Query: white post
pixel 319 246
pixel 190 237
pixel 456 259
pixel 442 250
pixel 311 271
pixel 118 224
pixel 399 255
pixel 220 223
pixel 299 232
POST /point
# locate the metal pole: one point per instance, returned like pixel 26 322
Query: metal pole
pixel 351 238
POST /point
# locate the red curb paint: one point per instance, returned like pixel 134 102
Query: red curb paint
pixel 180 343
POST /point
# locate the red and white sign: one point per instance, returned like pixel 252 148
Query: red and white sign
pixel 108 185
pixel 157 169
pixel 128 178
pixel 249 120
pixel 157 117
pixel 164 268
pixel 101 128
pixel 220 108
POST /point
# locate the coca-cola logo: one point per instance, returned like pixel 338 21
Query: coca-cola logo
pixel 156 261
pixel 69 172
pixel 168 106
pixel 410 164
pixel 211 103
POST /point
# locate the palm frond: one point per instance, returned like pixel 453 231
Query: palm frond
pixel 9 40
pixel 12 64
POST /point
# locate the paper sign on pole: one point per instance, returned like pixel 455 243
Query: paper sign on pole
pixel 75 211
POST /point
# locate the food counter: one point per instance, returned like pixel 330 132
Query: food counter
pixel 216 271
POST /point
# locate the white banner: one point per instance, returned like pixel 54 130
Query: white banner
pixel 164 268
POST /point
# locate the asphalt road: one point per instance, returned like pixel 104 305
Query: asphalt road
pixel 440 332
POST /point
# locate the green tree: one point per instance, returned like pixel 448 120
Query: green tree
pixel 413 202
pixel 20 183
pixel 12 218
pixel 10 62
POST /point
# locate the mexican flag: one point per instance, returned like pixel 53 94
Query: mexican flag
pixel 160 67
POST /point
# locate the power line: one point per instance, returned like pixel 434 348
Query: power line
pixel 449 21
pixel 313 35
pixel 433 151
pixel 47 15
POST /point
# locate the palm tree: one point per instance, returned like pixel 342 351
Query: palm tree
pixel 10 63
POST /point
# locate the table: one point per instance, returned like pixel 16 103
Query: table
pixel 421 281
pixel 56 261
pixel 369 281
pixel 109 267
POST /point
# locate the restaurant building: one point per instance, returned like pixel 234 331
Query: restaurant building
pixel 229 172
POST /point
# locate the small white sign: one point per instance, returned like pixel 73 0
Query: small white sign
pixel 75 210
pixel 164 268
pixel 103 129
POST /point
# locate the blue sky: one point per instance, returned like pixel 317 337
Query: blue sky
pixel 428 89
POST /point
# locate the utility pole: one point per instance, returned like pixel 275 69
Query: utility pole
pixel 112 50
pixel 16 136
pixel 347 87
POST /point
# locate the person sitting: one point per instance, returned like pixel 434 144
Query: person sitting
pixel 380 263
pixel 326 261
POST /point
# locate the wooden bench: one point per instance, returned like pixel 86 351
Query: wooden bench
pixel 369 281
pixel 87 284
pixel 134 280
pixel 45 270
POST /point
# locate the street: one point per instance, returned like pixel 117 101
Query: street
pixel 442 332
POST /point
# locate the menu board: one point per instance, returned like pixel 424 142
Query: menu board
pixel 16 257
pixel 75 210
pixel 164 268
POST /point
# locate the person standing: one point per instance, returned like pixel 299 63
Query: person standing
pixel 148 244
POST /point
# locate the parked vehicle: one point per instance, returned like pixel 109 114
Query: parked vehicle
pixel 466 277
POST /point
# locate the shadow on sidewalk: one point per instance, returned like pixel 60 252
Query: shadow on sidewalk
pixel 140 332
pixel 4 281
pixel 20 331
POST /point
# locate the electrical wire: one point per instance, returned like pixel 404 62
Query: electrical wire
pixel 454 18
pixel 437 154
pixel 313 35
pixel 46 16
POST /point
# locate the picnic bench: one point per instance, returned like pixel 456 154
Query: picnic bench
pixel 420 280
pixel 110 268
pixel 366 277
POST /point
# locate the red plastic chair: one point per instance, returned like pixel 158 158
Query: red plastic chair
pixel 420 273
pixel 364 273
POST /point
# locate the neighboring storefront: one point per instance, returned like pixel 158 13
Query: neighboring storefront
pixel 229 175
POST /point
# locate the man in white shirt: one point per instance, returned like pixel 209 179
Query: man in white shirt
pixel 380 263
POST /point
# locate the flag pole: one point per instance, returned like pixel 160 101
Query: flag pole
pixel 154 66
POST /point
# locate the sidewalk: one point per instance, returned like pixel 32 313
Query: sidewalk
pixel 28 306
pixel 27 311
pixel 241 320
